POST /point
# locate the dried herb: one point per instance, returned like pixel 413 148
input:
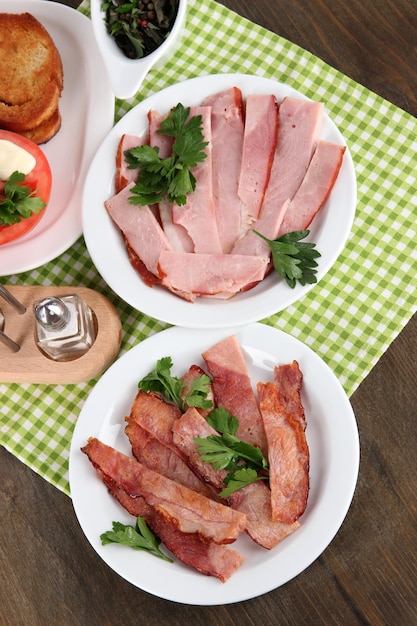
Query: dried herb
pixel 140 26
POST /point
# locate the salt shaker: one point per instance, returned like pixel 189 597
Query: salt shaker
pixel 64 327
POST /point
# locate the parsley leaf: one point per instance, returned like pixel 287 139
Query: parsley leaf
pixel 170 177
pixel 170 387
pixel 18 201
pixel 139 537
pixel 294 260
pixel 226 451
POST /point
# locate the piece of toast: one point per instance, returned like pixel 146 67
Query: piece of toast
pixel 31 77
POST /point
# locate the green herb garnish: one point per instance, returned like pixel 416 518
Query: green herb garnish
pixel 18 201
pixel 226 451
pixel 170 387
pixel 139 537
pixel 294 260
pixel 170 177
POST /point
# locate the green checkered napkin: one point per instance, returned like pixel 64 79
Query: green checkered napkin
pixel 353 314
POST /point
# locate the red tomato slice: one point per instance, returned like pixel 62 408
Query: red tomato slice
pixel 39 180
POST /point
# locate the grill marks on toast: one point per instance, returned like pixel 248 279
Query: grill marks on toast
pixel 31 78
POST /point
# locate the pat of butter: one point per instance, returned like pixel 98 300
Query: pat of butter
pixel 14 159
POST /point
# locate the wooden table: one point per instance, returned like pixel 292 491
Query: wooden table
pixel 50 574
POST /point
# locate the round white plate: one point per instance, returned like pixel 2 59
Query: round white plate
pixel 87 111
pixel 330 229
pixel 334 460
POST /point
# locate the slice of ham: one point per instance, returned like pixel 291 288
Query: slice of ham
pixel 194 372
pixel 158 457
pixel 232 389
pixel 207 558
pixel 125 174
pixel 190 511
pixel 153 414
pixel 197 215
pixel 227 132
pixel 192 275
pixel 176 234
pixel 140 228
pixel 288 379
pixel 259 143
pixel 253 500
pixel 288 454
pixel 317 184
pixel 299 126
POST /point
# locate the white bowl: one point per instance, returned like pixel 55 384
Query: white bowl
pixel 126 75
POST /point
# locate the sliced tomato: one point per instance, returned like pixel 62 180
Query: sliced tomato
pixel 39 180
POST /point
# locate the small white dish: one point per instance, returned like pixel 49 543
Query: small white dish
pixel 126 75
pixel 332 436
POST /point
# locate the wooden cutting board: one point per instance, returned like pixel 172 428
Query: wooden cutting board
pixel 30 365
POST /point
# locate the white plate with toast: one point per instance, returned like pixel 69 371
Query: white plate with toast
pixel 87 111
pixel 332 437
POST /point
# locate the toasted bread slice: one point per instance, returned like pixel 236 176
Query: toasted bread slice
pixel 46 130
pixel 31 73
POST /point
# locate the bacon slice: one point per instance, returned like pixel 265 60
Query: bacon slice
pixel 208 558
pixel 197 215
pixel 227 132
pixel 316 187
pixel 190 511
pixel 152 453
pixel 288 454
pixel 193 275
pixel 139 227
pixel 232 389
pixel 125 174
pixel 253 500
pixel 259 143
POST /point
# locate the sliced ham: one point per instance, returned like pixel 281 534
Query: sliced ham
pixel 125 174
pixel 197 215
pixel 288 379
pixel 227 132
pixel 259 143
pixel 206 557
pixel 288 455
pixel 176 234
pixel 190 511
pixel 253 500
pixel 232 389
pixel 192 275
pixel 317 184
pixel 139 227
pixel 299 126
pixel 194 372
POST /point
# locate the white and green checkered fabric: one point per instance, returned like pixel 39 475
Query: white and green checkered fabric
pixel 353 314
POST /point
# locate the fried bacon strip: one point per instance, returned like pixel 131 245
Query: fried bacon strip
pixel 233 391
pixel 206 557
pixel 190 511
pixel 288 454
pixel 253 500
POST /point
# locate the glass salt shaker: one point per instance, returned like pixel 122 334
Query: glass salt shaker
pixel 64 327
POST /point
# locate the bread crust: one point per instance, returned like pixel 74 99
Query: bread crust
pixel 31 77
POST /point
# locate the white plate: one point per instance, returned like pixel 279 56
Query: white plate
pixel 329 230
pixel 87 110
pixel 334 460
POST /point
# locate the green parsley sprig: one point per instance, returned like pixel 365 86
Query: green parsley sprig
pixel 225 451
pixel 171 387
pixel 294 260
pixel 139 537
pixel 18 201
pixel 170 177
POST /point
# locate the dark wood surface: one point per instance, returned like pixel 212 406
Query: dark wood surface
pixel 51 576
